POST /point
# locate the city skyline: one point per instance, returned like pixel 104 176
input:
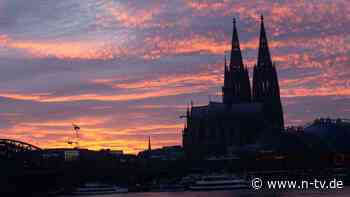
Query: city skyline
pixel 124 71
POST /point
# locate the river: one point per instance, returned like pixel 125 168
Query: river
pixel 345 192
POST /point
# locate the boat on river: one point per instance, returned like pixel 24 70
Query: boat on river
pixel 219 182
pixel 98 189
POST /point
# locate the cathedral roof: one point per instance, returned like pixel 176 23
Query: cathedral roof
pixel 218 108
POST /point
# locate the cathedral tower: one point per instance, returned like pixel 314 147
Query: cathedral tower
pixel 236 87
pixel 265 83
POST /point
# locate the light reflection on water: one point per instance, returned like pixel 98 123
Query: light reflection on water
pixel 334 193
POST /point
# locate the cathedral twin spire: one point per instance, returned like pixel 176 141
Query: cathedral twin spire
pixel 236 55
pixel 236 83
pixel 236 87
pixel 264 57
pixel 210 131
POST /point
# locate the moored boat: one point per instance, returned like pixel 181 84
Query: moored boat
pixel 219 182
pixel 167 188
pixel 98 189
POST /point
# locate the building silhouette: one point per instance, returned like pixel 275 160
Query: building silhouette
pixel 265 83
pixel 222 127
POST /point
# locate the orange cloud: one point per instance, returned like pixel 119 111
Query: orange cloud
pixel 206 5
pixel 320 91
pixel 85 49
pixel 149 128
pixel 56 134
pixel 158 46
pixel 124 97
pixel 170 85
pixel 131 18
pixel 62 50
pixel 136 90
pixel 18 96
pixel 111 97
pixel 171 80
pixel 181 107
pixel 128 146
pixel 81 121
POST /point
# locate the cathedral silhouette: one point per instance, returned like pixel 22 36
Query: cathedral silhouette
pixel 244 113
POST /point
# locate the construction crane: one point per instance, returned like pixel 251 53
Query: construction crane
pixel 76 133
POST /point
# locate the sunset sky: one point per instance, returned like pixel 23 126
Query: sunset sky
pixel 126 70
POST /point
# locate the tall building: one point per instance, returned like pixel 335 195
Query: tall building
pixel 236 87
pixel 265 83
pixel 223 127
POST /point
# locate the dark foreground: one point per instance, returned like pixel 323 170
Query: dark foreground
pixel 311 193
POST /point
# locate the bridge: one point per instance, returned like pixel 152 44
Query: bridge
pixel 21 163
pixel 15 154
pixel 10 146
